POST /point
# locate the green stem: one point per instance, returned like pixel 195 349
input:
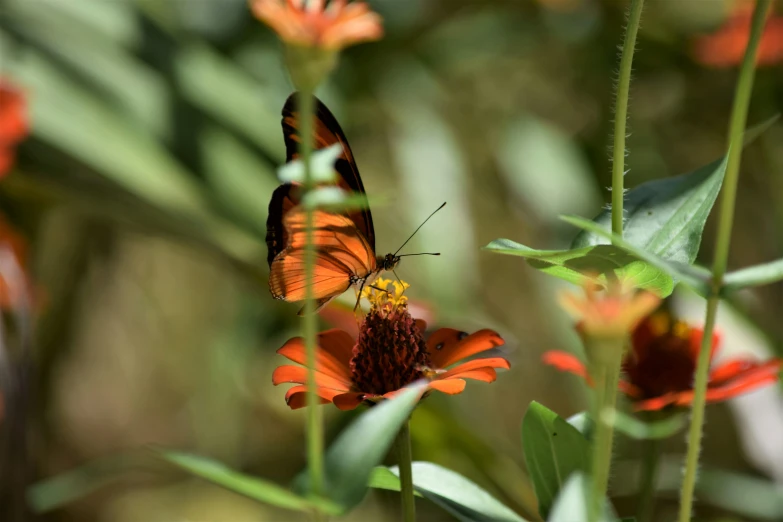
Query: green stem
pixel 606 375
pixel 646 505
pixel 621 115
pixel 739 114
pixel 405 460
pixel 315 435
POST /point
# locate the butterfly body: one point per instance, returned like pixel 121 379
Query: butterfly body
pixel 344 242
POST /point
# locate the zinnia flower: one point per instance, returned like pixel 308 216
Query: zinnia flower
pixel 313 24
pixel 610 313
pixel 726 47
pixel 13 124
pixel 658 370
pixel 389 354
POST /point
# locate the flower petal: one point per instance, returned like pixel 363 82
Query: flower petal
pixel 348 401
pixel 333 346
pixel 298 375
pixel 448 386
pixel 447 346
pixel 480 374
pixel 565 362
pixel 744 381
pixel 658 403
pixel 475 364
pixel 296 397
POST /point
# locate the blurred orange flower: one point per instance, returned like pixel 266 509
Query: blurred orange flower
pixel 314 24
pixel 611 312
pixel 389 354
pixel 659 367
pixel 13 124
pixel 726 47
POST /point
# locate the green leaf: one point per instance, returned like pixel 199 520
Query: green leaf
pixel 321 167
pixel 638 429
pixel 665 217
pixel 593 263
pixel 350 460
pixel 694 276
pixel 383 478
pixel 571 504
pixel 253 487
pixel 582 422
pixel 458 495
pixel 553 450
pixel 77 483
pixel 758 275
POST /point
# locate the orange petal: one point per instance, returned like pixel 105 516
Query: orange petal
pixel 326 361
pixel 565 362
pixel 298 375
pixel 296 397
pixel 479 374
pixel 657 403
pixel 447 346
pixel 490 362
pixel 348 401
pixel 744 381
pixel 448 386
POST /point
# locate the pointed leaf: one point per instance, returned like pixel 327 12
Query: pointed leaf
pixel 350 460
pixel 666 216
pixel 592 263
pixel 458 495
pixel 553 450
pixel 694 276
pixel 253 487
pixel 384 478
pixel 758 275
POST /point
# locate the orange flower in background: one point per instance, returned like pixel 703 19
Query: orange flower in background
pixel 389 354
pixel 13 124
pixel 726 47
pixel 611 312
pixel 659 368
pixel 314 24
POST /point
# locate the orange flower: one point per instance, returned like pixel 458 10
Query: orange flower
pixel 313 24
pixel 389 354
pixel 726 47
pixel 612 312
pixel 13 124
pixel 660 366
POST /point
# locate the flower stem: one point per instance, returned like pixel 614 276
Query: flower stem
pixel 739 114
pixel 646 505
pixel 621 115
pixel 315 444
pixel 605 374
pixel 405 460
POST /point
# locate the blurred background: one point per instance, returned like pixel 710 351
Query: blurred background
pixel 140 195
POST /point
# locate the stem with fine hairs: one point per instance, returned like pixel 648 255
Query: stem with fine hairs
pixel 739 116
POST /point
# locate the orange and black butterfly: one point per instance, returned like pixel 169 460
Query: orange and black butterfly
pixel 345 242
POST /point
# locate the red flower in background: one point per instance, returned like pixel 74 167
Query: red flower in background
pixel 726 47
pixel 389 354
pixel 13 124
pixel 659 367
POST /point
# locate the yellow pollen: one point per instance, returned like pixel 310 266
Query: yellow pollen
pixel 659 323
pixel 391 293
pixel 681 330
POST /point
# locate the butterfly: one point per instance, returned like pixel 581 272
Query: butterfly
pixel 345 242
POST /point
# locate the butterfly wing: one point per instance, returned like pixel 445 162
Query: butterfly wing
pixel 342 255
pixel 327 132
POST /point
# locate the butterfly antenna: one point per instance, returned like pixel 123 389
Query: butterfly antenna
pixel 417 229
pixel 399 281
pixel 420 254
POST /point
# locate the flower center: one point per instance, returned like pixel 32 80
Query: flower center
pixel 390 352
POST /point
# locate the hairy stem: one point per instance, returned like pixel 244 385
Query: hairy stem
pixel 646 505
pixel 739 114
pixel 621 115
pixel 405 460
